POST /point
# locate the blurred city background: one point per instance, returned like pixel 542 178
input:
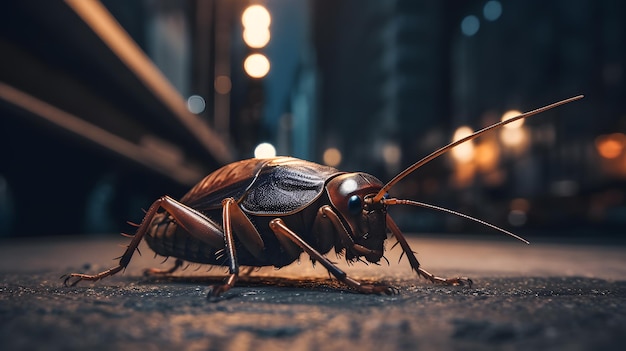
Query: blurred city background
pixel 107 105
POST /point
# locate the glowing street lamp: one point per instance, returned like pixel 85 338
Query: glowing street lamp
pixel 257 38
pixel 256 16
pixel 256 21
pixel 256 65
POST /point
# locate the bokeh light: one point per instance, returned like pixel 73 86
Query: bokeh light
pixel 196 104
pixel 332 157
pixel 256 65
pixel 392 154
pixel 487 155
pixel 510 114
pixel 265 150
pixel 256 38
pixel 610 146
pixel 492 10
pixel 464 152
pixel 520 204
pixel 514 137
pixel 222 84
pixel 470 25
pixel 517 216
pixel 256 16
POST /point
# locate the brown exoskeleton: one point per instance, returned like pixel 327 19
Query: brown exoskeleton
pixel 266 212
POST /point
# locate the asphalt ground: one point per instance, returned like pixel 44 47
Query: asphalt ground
pixel 545 296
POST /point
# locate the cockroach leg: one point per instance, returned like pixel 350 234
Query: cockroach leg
pixel 247 271
pixel 415 265
pixel 190 219
pixel 74 278
pixel 279 227
pixel 156 271
pixel 458 281
pixel 229 248
pixel 232 215
pixel 246 232
pixel 218 289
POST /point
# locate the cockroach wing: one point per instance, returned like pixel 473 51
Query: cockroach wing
pixel 231 180
pixel 285 186
pixel 269 186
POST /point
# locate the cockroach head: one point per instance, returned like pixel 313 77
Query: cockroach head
pixel 365 222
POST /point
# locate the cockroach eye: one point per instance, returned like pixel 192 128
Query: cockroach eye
pixel 354 204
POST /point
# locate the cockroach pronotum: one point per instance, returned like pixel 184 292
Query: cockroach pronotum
pixel 266 212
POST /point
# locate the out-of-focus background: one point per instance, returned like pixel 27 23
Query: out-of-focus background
pixel 106 105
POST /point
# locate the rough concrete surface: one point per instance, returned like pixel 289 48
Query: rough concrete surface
pixel 543 296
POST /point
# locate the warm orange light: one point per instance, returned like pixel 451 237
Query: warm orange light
pixel 520 204
pixel 222 84
pixel 514 137
pixel 256 38
pixel 464 174
pixel 256 16
pixel 332 157
pixel 392 153
pixel 510 114
pixel 463 153
pixel 256 65
pixel 256 34
pixel 611 146
pixel 487 154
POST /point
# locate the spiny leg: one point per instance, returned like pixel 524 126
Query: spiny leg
pixel 247 271
pixel 415 265
pixel 192 221
pixel 233 265
pixel 125 258
pixel 156 271
pixel 234 221
pixel 279 228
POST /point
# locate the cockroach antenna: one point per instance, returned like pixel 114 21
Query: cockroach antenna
pixel 392 201
pixel 475 135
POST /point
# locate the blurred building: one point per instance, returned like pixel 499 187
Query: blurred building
pixel 409 73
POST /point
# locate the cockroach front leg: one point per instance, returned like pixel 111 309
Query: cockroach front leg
pixel 415 265
pixel 279 227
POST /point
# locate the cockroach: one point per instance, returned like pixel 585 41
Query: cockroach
pixel 266 212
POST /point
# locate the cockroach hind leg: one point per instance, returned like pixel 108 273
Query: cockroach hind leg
pixel 365 288
pixel 67 278
pixel 216 290
pixel 70 279
pixel 456 281
pixel 381 289
pixel 160 272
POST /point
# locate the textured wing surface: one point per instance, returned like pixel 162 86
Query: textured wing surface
pixel 231 180
pixel 286 185
pixel 262 186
